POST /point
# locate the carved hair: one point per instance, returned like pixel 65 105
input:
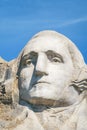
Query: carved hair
pixel 80 84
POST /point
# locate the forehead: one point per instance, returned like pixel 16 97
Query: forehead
pixel 45 43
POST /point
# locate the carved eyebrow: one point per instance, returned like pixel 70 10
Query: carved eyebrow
pixel 54 54
pixel 32 53
pixel 49 52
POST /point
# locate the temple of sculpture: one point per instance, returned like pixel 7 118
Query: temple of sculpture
pixel 45 87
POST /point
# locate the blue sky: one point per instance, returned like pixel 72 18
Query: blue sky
pixel 21 19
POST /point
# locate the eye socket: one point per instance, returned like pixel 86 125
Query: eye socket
pixel 29 59
pixel 54 57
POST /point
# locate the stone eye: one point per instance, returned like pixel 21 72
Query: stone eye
pixel 28 62
pixel 56 59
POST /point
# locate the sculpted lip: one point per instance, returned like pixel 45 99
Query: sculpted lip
pixel 39 82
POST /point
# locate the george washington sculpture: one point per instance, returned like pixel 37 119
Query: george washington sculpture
pixel 51 83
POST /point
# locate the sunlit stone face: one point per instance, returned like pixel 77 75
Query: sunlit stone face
pixel 46 70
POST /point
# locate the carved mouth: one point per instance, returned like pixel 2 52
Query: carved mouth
pixel 40 82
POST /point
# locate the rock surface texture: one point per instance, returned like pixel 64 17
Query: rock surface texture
pixel 45 87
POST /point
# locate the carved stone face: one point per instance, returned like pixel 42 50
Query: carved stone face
pixel 46 69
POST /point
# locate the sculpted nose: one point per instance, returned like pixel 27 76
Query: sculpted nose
pixel 41 64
